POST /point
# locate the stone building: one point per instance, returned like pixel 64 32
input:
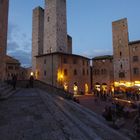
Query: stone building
pixel 3 35
pixel 135 61
pixel 13 67
pixel 68 71
pixel 56 65
pixel 126 56
pixel 103 73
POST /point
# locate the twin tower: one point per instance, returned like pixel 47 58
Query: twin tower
pixel 49 33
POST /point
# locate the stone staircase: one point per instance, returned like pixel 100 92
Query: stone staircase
pixel 6 90
pixel 91 125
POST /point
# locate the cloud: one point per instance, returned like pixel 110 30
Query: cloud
pixel 97 52
pixel 19 45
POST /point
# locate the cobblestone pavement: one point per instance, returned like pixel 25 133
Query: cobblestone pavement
pixel 32 114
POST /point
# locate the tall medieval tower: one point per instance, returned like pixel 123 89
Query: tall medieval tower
pixel 37 34
pixel 55 26
pixel 4 4
pixel 121 51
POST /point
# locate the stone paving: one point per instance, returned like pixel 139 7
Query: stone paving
pixel 32 114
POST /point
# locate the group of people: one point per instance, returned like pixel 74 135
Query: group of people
pixel 12 80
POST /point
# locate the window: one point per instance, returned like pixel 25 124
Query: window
pixel 121 74
pixel 75 72
pixel 121 66
pixel 48 18
pixel 83 62
pixel 120 54
pixel 16 67
pixel 103 71
pixel 97 71
pixel 87 72
pixel 83 71
pixel 135 59
pixel 74 61
pixel 87 63
pixel 65 60
pixel 44 72
pixel 10 67
pixel 65 72
pixel 44 61
pixel 135 71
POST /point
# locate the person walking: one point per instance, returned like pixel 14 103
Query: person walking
pixel 14 81
pixel 31 81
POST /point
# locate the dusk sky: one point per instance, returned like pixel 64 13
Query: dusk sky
pixel 89 22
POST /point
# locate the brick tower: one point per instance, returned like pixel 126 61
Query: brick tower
pixel 121 50
pixel 55 26
pixel 4 4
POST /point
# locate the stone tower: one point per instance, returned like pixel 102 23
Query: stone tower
pixel 55 26
pixel 4 4
pixel 37 34
pixel 121 50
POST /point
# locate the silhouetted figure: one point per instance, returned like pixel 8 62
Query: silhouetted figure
pixel 31 81
pixel 14 81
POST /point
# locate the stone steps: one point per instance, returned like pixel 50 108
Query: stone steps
pixel 6 91
pixel 90 124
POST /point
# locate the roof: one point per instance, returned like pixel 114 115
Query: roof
pixel 11 60
pixel 61 53
pixel 103 57
pixel 134 42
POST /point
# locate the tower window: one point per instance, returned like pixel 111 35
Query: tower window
pixel 120 54
pixel 48 19
pixel 121 66
pixel 44 72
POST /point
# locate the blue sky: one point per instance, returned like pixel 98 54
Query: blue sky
pixel 89 22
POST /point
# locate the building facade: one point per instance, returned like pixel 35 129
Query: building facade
pixel 4 4
pixel 57 65
pixel 68 71
pixel 102 73
pixel 13 67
